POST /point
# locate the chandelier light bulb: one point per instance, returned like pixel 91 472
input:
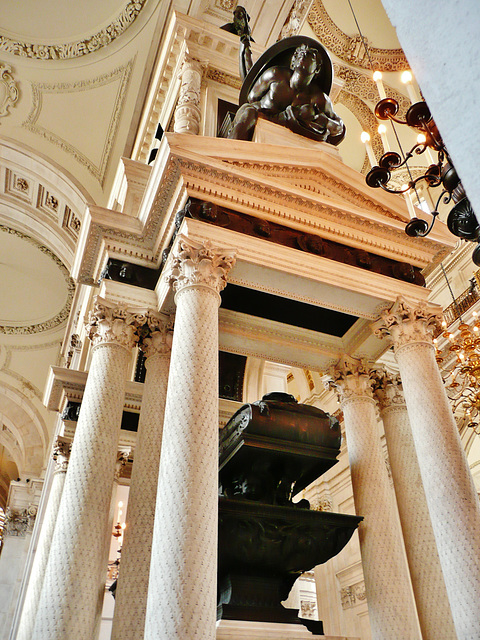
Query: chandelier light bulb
pixel 120 504
pixel 365 137
pixel 421 138
pixel 377 78
pixel 377 75
pixel 406 77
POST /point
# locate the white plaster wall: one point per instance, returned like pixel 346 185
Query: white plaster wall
pixel 12 563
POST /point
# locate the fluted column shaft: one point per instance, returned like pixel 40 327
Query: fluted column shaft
pixel 390 603
pixel 425 571
pixel 449 489
pixel 61 454
pixel 182 589
pixel 132 588
pixel 72 593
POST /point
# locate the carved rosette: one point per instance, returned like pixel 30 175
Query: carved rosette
pixel 200 265
pixel 187 112
pixel 61 454
pixel 351 380
pixel 157 336
pixel 387 389
pixel 109 323
pixel 406 323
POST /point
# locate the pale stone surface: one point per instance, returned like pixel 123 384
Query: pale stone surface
pixel 390 602
pixel 237 630
pixel 182 589
pixel 267 132
pixel 426 574
pixel 61 454
pixel 187 112
pixel 72 593
pixel 132 588
pixel 449 489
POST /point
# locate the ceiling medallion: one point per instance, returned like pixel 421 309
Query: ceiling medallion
pixel 8 89
pixel 77 48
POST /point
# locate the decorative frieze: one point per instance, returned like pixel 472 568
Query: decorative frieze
pixel 353 595
pixel 76 48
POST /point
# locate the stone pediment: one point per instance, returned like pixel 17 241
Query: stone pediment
pixel 306 189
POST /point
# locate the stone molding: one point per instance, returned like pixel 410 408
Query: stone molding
pixel 350 49
pixel 76 48
pixel 8 88
pixel 406 323
pixel 200 264
pixel 122 75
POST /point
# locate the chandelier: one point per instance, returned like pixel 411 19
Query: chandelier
pixel 461 220
pixel 459 362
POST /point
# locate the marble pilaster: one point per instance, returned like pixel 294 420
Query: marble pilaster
pixel 426 574
pixel 132 586
pixel 449 489
pixel 390 602
pixel 182 589
pixel 72 593
pixel 187 111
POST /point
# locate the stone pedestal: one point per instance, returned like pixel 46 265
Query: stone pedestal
pixel 391 606
pixel 132 588
pixel 233 630
pixel 449 489
pixel 426 574
pixel 72 593
pixel 182 589
pixel 61 454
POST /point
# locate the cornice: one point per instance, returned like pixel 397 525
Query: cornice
pixel 75 48
pixel 250 179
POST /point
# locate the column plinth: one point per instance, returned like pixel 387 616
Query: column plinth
pixel 426 574
pixel 449 489
pixel 132 588
pixel 72 593
pixel 390 603
pixel 182 589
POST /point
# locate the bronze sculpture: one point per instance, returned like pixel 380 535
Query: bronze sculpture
pixel 288 85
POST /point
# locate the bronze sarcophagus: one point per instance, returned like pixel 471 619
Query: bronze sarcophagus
pixel 269 451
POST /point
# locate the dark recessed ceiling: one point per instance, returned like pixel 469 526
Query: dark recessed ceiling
pixel 298 314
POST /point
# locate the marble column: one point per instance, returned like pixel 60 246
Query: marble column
pixel 391 606
pixel 132 586
pixel 61 454
pixel 183 573
pixel 187 111
pixel 426 574
pixel 449 489
pixel 73 589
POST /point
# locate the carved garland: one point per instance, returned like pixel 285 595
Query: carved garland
pixel 59 317
pixel 77 48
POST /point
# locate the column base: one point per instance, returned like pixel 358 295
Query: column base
pixel 243 630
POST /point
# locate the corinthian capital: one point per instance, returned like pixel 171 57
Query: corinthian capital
pixel 351 379
pixel 406 323
pixel 200 264
pixel 157 335
pixel 61 453
pixel 112 323
pixel 387 389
